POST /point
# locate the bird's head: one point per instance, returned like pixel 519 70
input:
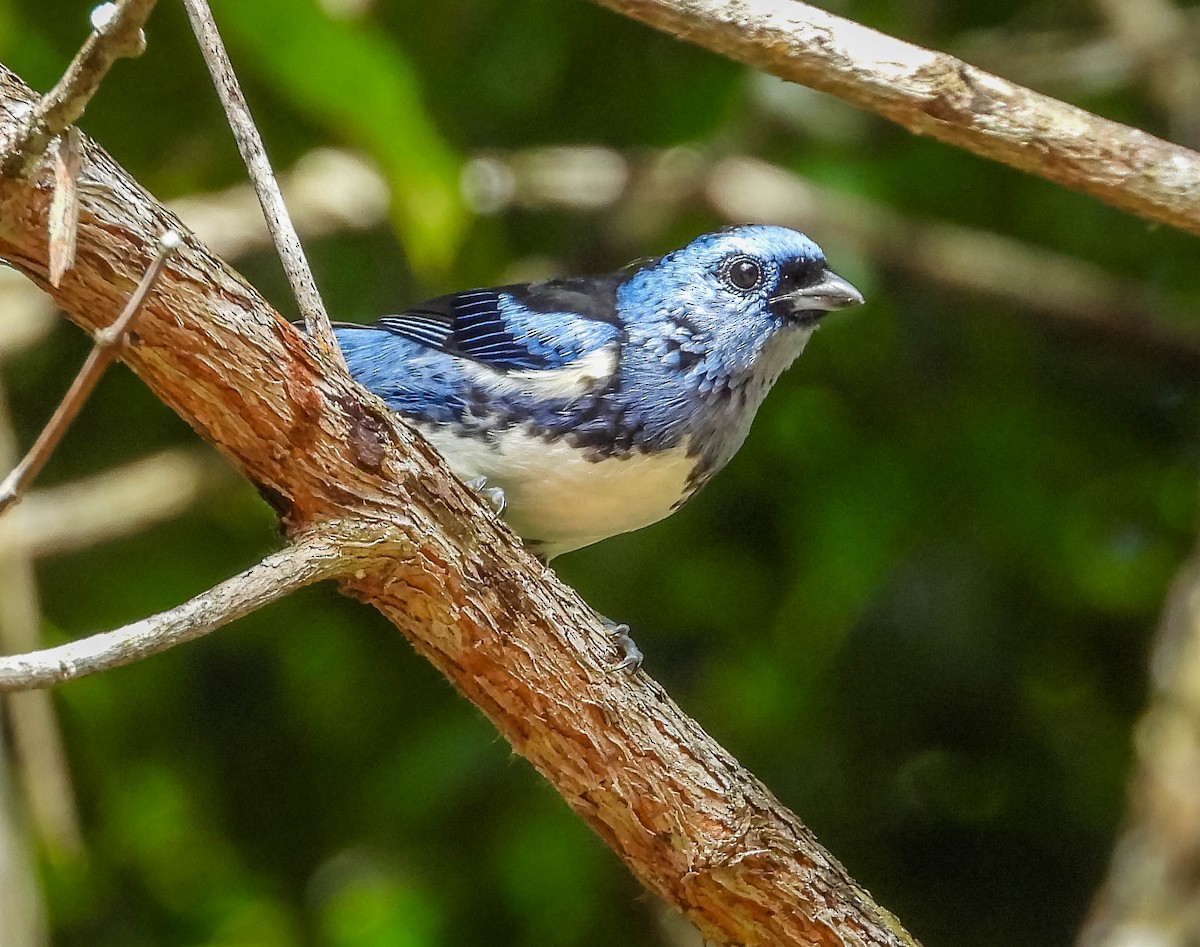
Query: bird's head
pixel 762 271
pixel 742 290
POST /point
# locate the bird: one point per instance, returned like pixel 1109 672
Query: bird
pixel 588 406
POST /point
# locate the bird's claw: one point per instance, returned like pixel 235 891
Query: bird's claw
pixel 493 496
pixel 631 654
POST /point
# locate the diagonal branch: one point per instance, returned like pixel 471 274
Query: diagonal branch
pixel 692 824
pixel 311 558
pixel 254 154
pixel 109 342
pixel 932 93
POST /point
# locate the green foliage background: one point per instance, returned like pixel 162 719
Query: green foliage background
pixel 918 604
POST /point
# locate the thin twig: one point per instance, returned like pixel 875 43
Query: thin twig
pixel 933 93
pixel 250 144
pixel 116 34
pixel 108 345
pixel 308 560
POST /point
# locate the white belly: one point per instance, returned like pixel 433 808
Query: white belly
pixel 558 498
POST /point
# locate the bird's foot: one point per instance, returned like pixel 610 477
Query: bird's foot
pixel 631 654
pixel 493 496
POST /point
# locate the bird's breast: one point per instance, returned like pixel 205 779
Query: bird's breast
pixel 561 497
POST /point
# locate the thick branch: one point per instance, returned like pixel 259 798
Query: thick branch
pixel 692 824
pixel 932 93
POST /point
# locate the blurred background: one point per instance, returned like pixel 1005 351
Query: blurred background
pixel 920 604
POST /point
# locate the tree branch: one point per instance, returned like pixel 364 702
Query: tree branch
pixel 311 558
pixel 693 825
pixel 254 154
pixel 1152 893
pixel 116 34
pixel 108 344
pixel 932 93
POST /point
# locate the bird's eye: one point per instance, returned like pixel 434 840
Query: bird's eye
pixel 744 273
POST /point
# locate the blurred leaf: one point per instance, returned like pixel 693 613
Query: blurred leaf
pixel 368 904
pixel 361 84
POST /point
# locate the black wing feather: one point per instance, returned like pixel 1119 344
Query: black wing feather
pixel 475 324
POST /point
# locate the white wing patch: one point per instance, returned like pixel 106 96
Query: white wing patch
pixel 573 380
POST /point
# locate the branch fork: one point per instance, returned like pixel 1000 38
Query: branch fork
pixel 116 34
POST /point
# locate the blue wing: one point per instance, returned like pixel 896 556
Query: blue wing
pixel 504 347
pixel 530 327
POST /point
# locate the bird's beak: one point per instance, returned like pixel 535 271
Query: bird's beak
pixel 829 293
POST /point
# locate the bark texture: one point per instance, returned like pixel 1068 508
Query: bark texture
pixel 692 824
